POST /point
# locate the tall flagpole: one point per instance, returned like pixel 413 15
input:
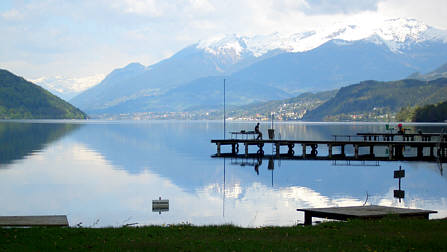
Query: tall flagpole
pixel 224 110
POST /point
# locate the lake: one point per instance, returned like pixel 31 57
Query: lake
pixel 106 173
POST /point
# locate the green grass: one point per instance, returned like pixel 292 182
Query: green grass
pixel 383 235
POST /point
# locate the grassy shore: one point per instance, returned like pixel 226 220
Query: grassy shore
pixel 390 234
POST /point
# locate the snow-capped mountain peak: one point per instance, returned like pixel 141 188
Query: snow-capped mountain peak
pixel 395 33
pixel 402 30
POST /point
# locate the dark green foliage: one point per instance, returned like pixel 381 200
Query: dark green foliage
pixel 406 114
pixel 21 99
pixel 388 97
pixel 427 113
pixel 391 234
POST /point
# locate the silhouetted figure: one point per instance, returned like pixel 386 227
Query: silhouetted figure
pixel 401 130
pixel 258 132
pixel 257 165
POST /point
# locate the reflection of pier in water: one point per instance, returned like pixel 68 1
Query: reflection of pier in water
pixel 255 162
pixel 379 147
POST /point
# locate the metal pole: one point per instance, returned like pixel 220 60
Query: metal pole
pixel 224 110
pixel 223 201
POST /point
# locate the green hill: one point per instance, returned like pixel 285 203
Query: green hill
pixel 428 113
pixel 21 99
pixel 372 99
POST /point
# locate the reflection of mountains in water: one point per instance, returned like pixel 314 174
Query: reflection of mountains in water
pixel 180 152
pixel 19 139
pixel 177 151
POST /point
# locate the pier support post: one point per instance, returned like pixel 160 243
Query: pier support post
pixel 329 147
pixel 432 154
pixel 291 152
pixel 356 151
pixel 307 219
pixel 420 151
pixel 218 149
pixel 342 149
pixel 246 149
pixel 278 149
pixel 390 147
pixel 304 150
pixel 314 151
pixel 371 150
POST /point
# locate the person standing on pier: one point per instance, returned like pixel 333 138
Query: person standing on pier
pixel 258 132
pixel 401 129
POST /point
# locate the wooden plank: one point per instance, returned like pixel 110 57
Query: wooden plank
pixel 334 157
pixel 394 154
pixel 324 142
pixel 42 220
pixel 364 212
pixel 367 211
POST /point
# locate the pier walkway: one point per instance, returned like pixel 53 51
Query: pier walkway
pixel 367 146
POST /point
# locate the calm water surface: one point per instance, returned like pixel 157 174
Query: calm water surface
pixel 108 173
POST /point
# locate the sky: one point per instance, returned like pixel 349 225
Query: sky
pixel 82 41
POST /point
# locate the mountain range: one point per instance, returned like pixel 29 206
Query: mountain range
pixel 440 72
pixel 269 67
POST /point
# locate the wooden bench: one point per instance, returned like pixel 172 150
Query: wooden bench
pixel 235 134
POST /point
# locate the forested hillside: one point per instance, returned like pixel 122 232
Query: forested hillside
pixel 21 99
pixel 428 113
pixel 371 98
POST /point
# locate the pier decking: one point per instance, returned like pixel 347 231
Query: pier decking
pixel 426 148
pixel 28 221
pixel 361 212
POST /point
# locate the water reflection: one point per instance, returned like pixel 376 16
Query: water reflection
pixel 18 140
pixel 111 172
pixel 399 193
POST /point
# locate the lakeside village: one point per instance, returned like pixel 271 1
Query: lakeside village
pixel 284 114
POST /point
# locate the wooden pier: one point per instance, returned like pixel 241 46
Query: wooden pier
pixel 427 149
pixel 361 212
pixel 29 221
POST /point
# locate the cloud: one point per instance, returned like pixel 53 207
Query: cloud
pixel 141 7
pixel 431 12
pixel 11 15
pixel 314 7
pixel 84 38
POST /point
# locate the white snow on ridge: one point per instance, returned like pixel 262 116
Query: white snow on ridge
pixel 67 87
pixel 395 33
